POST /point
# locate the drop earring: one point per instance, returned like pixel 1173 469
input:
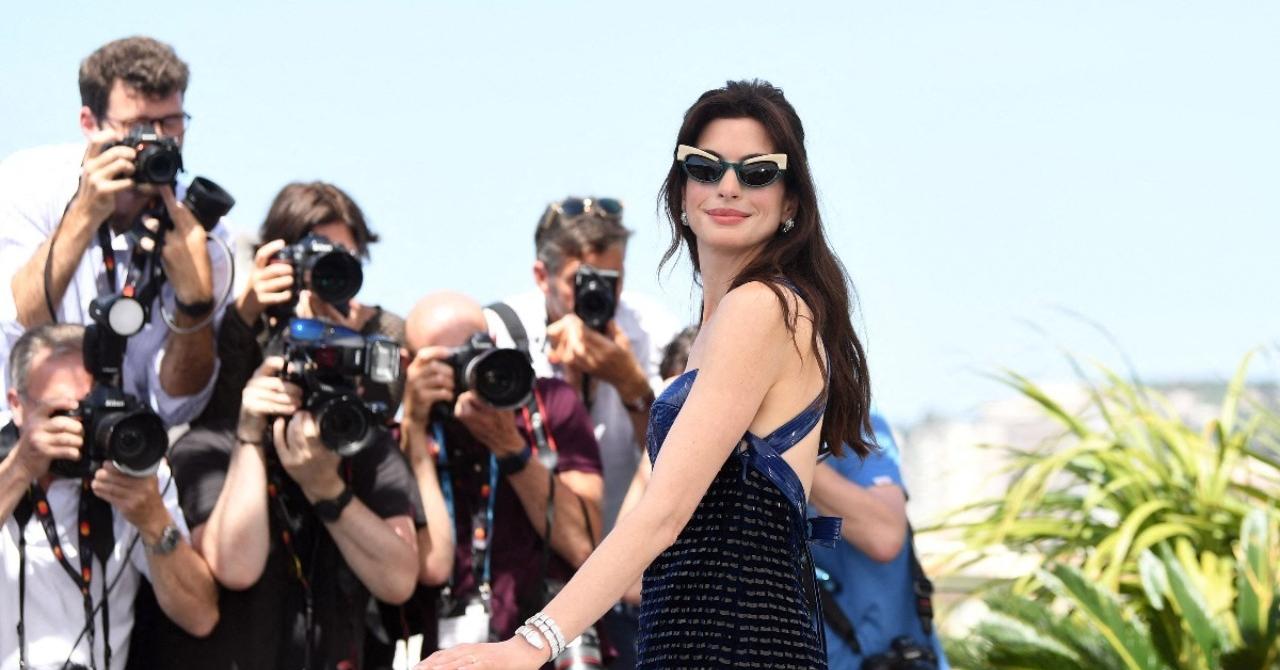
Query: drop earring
pixel 788 225
pixel 684 218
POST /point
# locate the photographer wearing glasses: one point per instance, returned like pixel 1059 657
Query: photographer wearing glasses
pixel 78 222
pixel 581 327
pixel 875 596
pixel 314 241
pixel 505 460
pixel 73 549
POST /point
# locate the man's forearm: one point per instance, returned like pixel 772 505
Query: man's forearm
pixel 875 524
pixel 436 549
pixel 184 587
pixel 74 235
pixel 14 484
pixel 188 358
pixel 384 561
pixel 237 537
pixel 569 532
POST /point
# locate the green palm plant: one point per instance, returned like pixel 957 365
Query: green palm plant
pixel 1157 540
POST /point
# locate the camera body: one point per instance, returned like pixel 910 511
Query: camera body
pixel 328 362
pixel 595 295
pixel 159 158
pixel 904 654
pixel 329 270
pixel 117 429
pixel 502 377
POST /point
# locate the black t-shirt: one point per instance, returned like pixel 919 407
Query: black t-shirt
pixel 265 626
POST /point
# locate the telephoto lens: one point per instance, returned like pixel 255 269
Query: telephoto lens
pixel 328 270
pixel 502 377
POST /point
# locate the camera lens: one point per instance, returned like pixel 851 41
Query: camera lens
pixel 157 164
pixel 503 377
pixel 335 277
pixel 345 424
pixel 135 441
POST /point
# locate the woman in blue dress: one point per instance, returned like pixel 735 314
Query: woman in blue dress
pixel 720 536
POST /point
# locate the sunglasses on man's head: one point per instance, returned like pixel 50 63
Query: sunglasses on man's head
pixel 708 168
pixel 579 206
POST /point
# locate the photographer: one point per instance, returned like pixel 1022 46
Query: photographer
pixel 278 288
pixel 503 564
pixel 68 230
pixel 581 246
pixel 55 527
pixel 874 619
pixel 299 536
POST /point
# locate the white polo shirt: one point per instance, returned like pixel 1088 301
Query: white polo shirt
pixel 649 327
pixel 35 187
pixel 54 609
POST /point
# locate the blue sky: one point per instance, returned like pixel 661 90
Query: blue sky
pixel 986 169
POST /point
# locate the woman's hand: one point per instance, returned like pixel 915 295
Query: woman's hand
pixel 269 283
pixel 514 654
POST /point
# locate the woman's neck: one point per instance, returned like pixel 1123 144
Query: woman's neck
pixel 718 269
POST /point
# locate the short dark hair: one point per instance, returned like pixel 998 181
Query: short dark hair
pixel 675 356
pixel 56 338
pixel 143 64
pixel 559 237
pixel 300 207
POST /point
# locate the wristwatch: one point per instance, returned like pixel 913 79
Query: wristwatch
pixel 330 510
pixel 510 465
pixel 641 404
pixel 169 539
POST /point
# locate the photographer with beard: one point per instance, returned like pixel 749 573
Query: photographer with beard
pixel 580 243
pixel 67 229
pixel 57 530
pixel 500 561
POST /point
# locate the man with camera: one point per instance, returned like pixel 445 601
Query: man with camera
pixel 304 512
pixel 73 548
pixel 81 223
pixel 516 460
pixel 581 327
pixel 876 598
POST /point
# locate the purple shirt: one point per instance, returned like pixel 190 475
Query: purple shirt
pixel 516 562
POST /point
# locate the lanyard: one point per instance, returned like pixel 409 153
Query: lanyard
pixel 290 525
pixel 92 509
pixel 108 258
pixel 481 518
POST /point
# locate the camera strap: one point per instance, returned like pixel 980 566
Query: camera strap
pixel 921 591
pixel 481 517
pixel 93 513
pixel 512 321
pixel 108 258
pixel 921 587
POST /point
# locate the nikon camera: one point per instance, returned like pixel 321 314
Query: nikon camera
pixel 595 296
pixel 330 271
pixel 159 159
pixel 117 429
pixel 502 377
pixel 328 362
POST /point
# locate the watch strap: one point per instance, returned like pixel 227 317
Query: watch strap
pixel 330 510
pixel 510 465
pixel 167 542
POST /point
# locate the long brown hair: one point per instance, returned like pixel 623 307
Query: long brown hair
pixel 802 256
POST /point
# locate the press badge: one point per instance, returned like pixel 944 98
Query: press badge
pixel 471 627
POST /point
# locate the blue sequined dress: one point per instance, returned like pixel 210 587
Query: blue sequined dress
pixel 737 588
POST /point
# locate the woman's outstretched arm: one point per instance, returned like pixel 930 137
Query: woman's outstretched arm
pixel 743 353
